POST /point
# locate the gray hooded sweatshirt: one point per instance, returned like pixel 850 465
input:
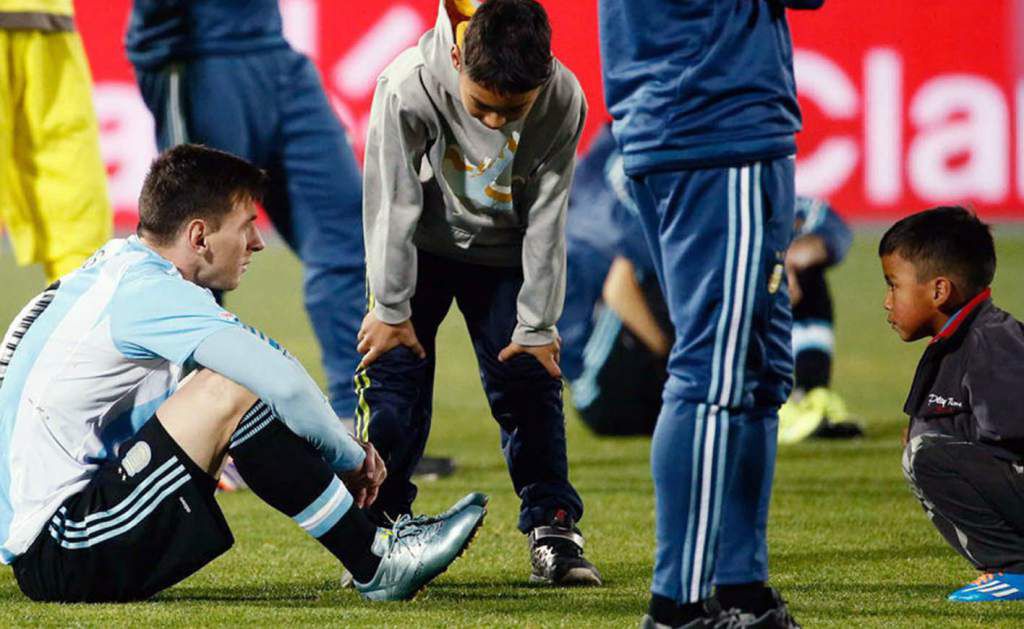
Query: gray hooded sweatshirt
pixel 437 179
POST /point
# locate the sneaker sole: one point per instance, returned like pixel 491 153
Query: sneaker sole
pixel 577 577
pixel 462 551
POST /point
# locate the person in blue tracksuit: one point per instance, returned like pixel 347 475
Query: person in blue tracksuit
pixel 704 105
pixel 614 326
pixel 220 73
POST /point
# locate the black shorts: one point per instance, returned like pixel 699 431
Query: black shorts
pixel 142 524
pixel 631 379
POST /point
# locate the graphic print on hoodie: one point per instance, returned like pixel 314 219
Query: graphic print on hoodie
pixel 487 185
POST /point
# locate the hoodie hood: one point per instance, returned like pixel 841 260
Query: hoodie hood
pixel 436 44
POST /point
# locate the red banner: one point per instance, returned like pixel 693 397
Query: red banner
pixel 914 105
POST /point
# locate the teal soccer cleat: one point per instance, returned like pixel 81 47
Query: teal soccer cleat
pixel 475 499
pixel 472 499
pixel 416 550
pixel 997 586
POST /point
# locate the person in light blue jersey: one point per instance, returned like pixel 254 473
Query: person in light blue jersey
pixel 704 105
pixel 220 73
pixel 124 386
pixel 615 328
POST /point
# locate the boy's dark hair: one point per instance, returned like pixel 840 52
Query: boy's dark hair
pixel 192 181
pixel 507 47
pixel 946 240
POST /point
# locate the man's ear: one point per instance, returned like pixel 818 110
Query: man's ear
pixel 456 59
pixel 197 233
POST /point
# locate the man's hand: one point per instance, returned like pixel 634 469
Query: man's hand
pixel 548 355
pixel 364 481
pixel 376 338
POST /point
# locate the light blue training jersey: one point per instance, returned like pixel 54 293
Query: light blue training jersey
pixel 82 368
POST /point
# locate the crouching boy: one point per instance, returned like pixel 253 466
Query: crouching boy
pixel 965 456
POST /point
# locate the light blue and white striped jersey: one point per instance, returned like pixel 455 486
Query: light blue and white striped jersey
pixel 82 367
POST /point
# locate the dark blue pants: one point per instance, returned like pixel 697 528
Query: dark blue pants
pixel 396 392
pixel 270 108
pixel 718 237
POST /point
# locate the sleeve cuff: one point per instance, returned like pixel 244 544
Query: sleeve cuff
pixel 530 336
pixel 350 459
pixel 393 315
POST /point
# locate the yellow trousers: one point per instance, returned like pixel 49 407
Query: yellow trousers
pixel 53 185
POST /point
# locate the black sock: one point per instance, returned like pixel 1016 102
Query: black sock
pixel 755 598
pixel 354 525
pixel 666 611
pixel 287 473
pixel 812 369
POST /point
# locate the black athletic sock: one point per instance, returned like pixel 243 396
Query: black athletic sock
pixel 755 598
pixel 663 610
pixel 354 525
pixel 287 473
pixel 813 369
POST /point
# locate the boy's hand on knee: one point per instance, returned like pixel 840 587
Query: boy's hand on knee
pixel 365 481
pixel 377 338
pixel 548 355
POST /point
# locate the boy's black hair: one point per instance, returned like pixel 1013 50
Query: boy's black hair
pixel 945 240
pixel 192 181
pixel 507 47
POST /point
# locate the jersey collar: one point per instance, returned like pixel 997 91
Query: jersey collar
pixel 961 315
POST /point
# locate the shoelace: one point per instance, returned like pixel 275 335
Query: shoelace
pixel 408 531
pixel 985 578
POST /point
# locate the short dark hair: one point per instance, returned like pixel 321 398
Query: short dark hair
pixel 507 47
pixel 192 181
pixel 946 240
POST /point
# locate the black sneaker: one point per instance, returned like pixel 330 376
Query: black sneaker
pixel 714 618
pixel 778 617
pixel 434 467
pixel 838 430
pixel 556 553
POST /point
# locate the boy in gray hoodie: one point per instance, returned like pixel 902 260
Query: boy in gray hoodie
pixel 469 161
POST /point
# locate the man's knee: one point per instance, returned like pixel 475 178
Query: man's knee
pixel 206 393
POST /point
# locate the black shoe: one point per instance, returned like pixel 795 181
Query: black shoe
pixel 838 430
pixel 714 618
pixel 778 617
pixel 434 467
pixel 556 553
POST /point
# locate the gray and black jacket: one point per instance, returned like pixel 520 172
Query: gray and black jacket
pixel 970 381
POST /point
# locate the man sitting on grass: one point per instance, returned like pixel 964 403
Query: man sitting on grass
pixel 965 456
pixel 109 453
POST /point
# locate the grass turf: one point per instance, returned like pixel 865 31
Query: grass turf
pixel 849 544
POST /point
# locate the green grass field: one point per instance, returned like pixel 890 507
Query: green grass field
pixel 850 547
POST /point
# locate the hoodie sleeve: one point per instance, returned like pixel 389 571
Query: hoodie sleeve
pixel 392 202
pixel 540 299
